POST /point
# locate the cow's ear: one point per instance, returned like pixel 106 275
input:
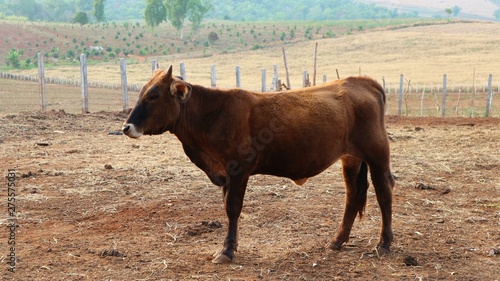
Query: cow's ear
pixel 181 90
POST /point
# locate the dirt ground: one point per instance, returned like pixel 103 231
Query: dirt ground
pixel 95 205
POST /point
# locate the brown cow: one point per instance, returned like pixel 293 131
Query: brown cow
pixel 233 134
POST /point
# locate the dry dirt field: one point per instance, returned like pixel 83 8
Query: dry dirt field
pixel 93 205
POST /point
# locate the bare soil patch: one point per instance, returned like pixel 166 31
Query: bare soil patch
pixel 95 205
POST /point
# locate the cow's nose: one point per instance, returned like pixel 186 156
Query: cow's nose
pixel 126 128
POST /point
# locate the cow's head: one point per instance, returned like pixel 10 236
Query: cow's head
pixel 158 106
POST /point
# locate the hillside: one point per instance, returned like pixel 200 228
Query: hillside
pixel 64 42
pixel 421 51
pixel 430 8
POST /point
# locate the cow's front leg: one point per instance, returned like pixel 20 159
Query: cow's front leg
pixel 233 192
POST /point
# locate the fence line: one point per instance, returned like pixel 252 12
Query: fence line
pixel 404 90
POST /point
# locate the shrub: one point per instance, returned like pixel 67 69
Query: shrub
pixel 70 53
pixel 13 58
pixel 330 34
pixel 212 37
pixel 257 46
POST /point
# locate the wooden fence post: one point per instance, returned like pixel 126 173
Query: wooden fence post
pixel 324 78
pixel 489 98
pixel 422 102
pixel 305 79
pixel 263 89
pixel 154 66
pixel 286 69
pixel 85 86
pixel 473 93
pixel 238 77
pixel 41 77
pixel 213 79
pixel 443 105
pixel 123 69
pixel 183 71
pixel 401 89
pixel 274 85
pixel 315 55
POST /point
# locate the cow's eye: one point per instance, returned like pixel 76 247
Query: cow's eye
pixel 153 94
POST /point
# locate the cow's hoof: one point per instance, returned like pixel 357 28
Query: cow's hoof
pixel 381 251
pixel 335 246
pixel 221 258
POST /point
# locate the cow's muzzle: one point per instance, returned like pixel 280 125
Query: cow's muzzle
pixel 131 131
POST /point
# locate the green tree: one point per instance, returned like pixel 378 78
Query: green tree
pixel 28 8
pixel 58 10
pixel 197 11
pixel 98 11
pixel 179 10
pixel 496 14
pixel 13 58
pixel 455 10
pixel 449 12
pixel 81 18
pixel 176 13
pixel 154 13
pixel 84 5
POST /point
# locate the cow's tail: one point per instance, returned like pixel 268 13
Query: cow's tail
pixel 380 89
pixel 362 188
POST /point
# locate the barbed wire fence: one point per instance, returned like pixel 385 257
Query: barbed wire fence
pixel 404 97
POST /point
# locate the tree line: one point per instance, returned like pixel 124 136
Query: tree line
pixel 238 10
pixel 189 10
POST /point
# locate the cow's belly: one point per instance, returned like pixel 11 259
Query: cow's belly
pixel 297 164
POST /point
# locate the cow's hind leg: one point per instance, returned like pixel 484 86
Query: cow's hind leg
pixel 233 192
pixel 356 182
pixel 383 182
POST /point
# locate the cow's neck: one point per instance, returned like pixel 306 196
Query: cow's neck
pixel 199 114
